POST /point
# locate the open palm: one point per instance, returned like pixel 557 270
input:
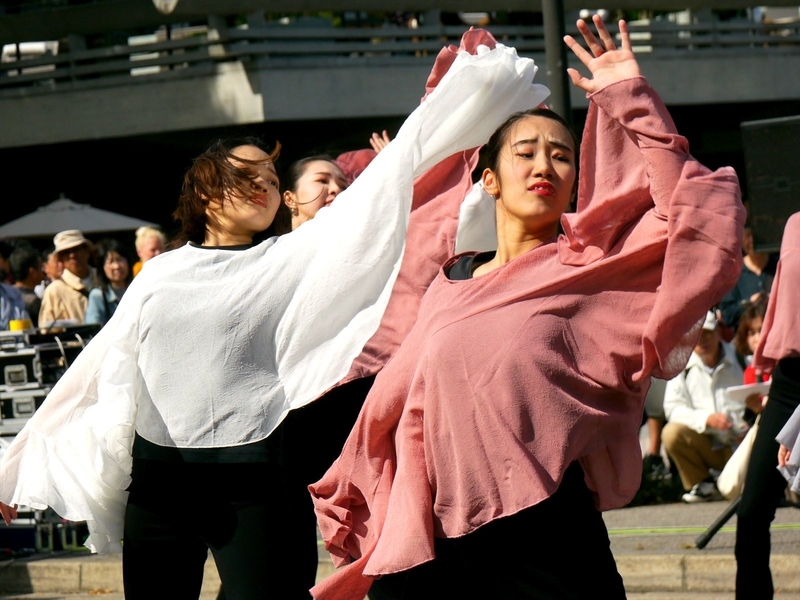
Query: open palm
pixel 607 63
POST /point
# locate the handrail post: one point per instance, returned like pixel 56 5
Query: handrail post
pixel 556 58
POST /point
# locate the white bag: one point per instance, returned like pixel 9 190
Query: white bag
pixel 731 480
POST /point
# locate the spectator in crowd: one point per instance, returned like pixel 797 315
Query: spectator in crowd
pixel 115 276
pixel 12 306
pixel 26 268
pixel 52 266
pixel 52 270
pixel 67 297
pixel 745 342
pixel 6 248
pixel 755 281
pixel 150 242
pixel 703 422
pixel 748 334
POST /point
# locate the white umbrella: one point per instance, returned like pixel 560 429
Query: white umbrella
pixel 65 214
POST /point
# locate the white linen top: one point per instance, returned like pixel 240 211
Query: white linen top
pixel 211 348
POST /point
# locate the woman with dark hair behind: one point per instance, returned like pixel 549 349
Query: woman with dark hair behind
pixel 115 274
pixel 310 184
pixel 168 425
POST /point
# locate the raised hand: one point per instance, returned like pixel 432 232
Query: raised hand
pixel 607 63
pixel 379 142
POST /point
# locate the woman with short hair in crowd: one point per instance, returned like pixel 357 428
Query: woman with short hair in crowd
pixel 114 272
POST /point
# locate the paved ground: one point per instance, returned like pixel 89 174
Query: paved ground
pixel 653 545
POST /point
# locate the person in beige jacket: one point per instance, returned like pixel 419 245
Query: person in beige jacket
pixel 66 298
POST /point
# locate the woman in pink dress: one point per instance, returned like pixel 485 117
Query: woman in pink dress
pixel 509 416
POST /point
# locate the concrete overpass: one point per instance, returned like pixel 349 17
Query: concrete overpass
pixel 217 76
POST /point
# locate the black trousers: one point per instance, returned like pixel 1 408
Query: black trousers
pixel 558 549
pixel 313 437
pixel 764 486
pixel 178 511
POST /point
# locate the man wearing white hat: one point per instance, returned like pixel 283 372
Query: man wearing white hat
pixel 704 423
pixel 66 298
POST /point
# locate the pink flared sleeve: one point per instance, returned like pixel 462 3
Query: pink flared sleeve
pixel 780 334
pixel 639 184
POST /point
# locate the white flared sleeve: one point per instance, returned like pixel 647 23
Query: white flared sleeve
pixel 789 436
pixel 74 455
pixel 346 260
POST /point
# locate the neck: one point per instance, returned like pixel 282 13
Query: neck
pixel 27 283
pixel 226 238
pixel 298 220
pixel 756 261
pixel 513 240
pixel 81 274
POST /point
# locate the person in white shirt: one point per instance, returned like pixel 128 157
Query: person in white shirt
pixel 704 423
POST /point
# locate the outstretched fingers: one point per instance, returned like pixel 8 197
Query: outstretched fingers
pixel 578 50
pixel 606 38
pixel 624 36
pixel 606 62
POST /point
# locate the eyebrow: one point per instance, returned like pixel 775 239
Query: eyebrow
pixel 555 143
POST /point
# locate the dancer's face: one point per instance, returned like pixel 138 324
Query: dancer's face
pixel 535 178
pixel 254 213
pixel 317 187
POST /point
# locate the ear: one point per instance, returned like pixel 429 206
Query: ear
pixel 289 199
pixel 491 183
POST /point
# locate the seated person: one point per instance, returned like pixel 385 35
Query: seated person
pixel 703 423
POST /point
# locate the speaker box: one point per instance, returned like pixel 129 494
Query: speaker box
pixel 772 170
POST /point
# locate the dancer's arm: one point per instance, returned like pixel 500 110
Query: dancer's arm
pixel 341 266
pixel 619 90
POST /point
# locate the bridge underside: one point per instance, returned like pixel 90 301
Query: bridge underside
pixel 231 94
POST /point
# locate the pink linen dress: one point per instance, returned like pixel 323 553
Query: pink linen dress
pixel 507 378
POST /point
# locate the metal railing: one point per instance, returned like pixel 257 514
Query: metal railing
pixel 287 47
